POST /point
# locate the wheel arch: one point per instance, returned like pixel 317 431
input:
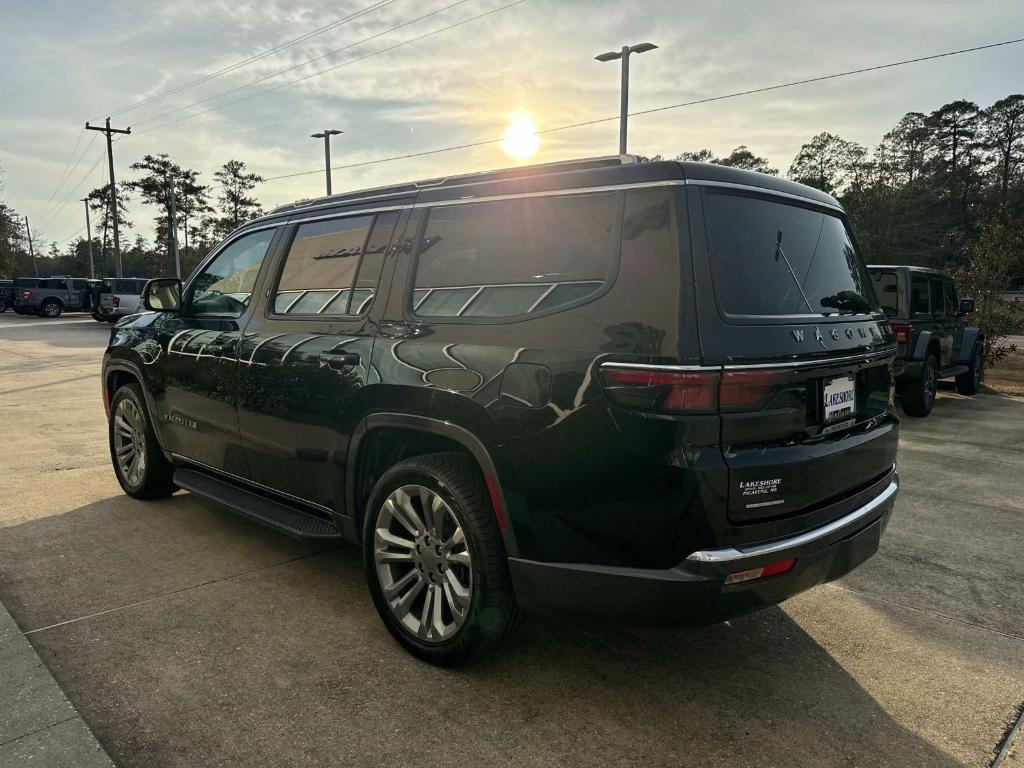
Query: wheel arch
pixel 926 344
pixel 117 373
pixel 438 434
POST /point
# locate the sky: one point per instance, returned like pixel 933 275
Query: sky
pixel 65 62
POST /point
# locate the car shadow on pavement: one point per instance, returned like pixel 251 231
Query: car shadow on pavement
pixel 187 636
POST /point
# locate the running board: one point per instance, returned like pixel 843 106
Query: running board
pixel 274 514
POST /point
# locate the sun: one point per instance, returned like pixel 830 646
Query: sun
pixel 521 139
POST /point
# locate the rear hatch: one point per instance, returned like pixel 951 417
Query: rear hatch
pixel 787 309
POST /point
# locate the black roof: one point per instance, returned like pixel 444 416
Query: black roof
pixel 573 174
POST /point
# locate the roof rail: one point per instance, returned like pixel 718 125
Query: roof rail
pixel 410 188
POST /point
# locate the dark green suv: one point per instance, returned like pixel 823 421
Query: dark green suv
pixel 932 334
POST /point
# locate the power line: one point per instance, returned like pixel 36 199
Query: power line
pixel 245 62
pixel 73 191
pixel 69 169
pixel 76 234
pixel 680 105
pixel 289 69
pixel 337 66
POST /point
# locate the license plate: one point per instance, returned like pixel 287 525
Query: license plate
pixel 840 398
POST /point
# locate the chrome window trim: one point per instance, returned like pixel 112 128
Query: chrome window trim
pixel 730 555
pixel 762 191
pixel 651 367
pixel 826 361
pixel 567 192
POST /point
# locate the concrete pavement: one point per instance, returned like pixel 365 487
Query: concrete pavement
pixel 186 636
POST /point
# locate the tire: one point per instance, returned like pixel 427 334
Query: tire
pixel 470 576
pixel 51 308
pixel 919 395
pixel 969 383
pixel 3 307
pixel 130 425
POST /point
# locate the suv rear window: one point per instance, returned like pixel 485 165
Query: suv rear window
pixel 772 258
pixel 887 290
pixel 514 257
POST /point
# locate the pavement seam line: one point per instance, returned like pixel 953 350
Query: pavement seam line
pixel 935 614
pixel 75 716
pixel 1007 743
pixel 170 594
pixel 910 447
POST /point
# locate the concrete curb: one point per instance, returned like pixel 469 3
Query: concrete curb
pixel 38 725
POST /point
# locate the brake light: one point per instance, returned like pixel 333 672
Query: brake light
pixel 665 390
pixel 772 569
pixel 902 331
pixel 26 294
pixel 746 388
pixel 116 301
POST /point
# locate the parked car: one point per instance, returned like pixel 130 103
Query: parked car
pixel 6 294
pixel 121 299
pixel 49 296
pixel 657 392
pixel 933 338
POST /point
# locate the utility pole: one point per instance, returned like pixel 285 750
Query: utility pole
pixel 31 250
pixel 172 223
pixel 88 235
pixel 113 188
pixel 326 136
pixel 624 54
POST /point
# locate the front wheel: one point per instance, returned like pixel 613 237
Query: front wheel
pixel 140 465
pixel 435 560
pixel 969 383
pixel 919 395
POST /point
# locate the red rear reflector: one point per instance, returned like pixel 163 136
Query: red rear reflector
pixel 745 388
pixel 663 390
pixel 116 301
pixel 902 331
pixel 499 510
pixel 772 569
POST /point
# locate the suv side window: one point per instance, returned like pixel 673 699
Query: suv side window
pixel 225 285
pixel 333 266
pixel 513 257
pixel 938 305
pixel 919 296
pixel 952 303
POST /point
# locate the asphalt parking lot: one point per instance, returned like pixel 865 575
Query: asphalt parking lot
pixel 187 636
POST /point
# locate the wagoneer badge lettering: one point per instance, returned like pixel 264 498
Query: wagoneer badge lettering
pixel 798 335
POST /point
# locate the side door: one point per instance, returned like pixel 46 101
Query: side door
pixel 198 355
pixel 942 325
pixel 305 356
pixel 954 319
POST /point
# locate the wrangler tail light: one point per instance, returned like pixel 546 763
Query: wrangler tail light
pixel 679 391
pixel 26 294
pixel 902 331
pixel 116 301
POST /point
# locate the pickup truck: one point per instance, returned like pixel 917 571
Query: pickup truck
pixel 6 294
pixel 50 296
pixel 122 298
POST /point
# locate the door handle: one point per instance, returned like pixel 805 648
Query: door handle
pixel 219 349
pixel 338 360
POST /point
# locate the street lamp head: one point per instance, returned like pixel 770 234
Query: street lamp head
pixel 610 56
pixel 642 48
pixel 323 134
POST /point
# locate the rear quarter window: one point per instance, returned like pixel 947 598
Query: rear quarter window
pixel 887 290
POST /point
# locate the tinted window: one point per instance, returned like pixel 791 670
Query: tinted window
pixel 225 285
pixel 772 258
pixel 952 304
pixel 327 259
pixel 919 295
pixel 937 300
pixel 886 285
pixel 514 257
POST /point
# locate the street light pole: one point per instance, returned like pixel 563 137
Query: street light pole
pixel 624 54
pixel 88 235
pixel 326 136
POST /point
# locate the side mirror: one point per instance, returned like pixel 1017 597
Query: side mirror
pixel 966 306
pixel 162 295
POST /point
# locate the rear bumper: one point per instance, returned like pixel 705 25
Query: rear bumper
pixel 694 592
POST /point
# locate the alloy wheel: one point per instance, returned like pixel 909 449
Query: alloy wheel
pixel 130 441
pixel 423 563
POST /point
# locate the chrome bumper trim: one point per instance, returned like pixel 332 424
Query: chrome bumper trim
pixel 730 554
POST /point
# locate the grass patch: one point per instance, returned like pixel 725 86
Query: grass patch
pixel 1007 376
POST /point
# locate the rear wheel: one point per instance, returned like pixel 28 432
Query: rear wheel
pixel 919 395
pixel 3 306
pixel 140 465
pixel 435 560
pixel 51 308
pixel 968 383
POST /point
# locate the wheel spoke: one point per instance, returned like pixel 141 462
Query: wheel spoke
pixel 387 538
pixel 461 558
pixel 125 449
pixel 458 594
pixel 400 506
pixel 424 630
pixel 457 538
pixel 382 556
pixel 395 589
pixel 437 620
pixel 404 603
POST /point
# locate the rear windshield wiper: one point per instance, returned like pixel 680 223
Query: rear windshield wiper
pixel 848 301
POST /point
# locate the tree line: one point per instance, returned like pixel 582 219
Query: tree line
pixel 205 214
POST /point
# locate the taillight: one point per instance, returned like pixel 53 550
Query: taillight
pixel 902 331
pixel 742 389
pixel 663 390
pixel 772 569
pixel 26 294
pixel 116 301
